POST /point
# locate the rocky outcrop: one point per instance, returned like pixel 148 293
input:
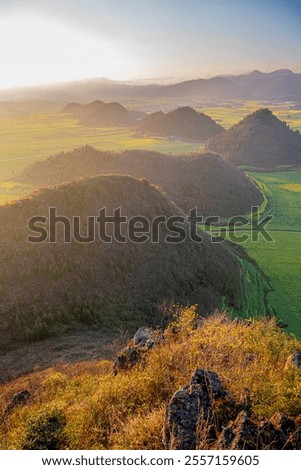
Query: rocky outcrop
pixel 19 399
pixel 246 433
pixel 238 434
pixel 145 337
pixel 283 423
pixel 193 421
pixel 189 414
pixel 294 361
pixel 137 349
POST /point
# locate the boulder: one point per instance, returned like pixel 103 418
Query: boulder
pixel 238 434
pixel 245 434
pixel 137 349
pixel 19 399
pixel 144 337
pixel 294 360
pixel 189 417
pixel 283 423
pixel 271 438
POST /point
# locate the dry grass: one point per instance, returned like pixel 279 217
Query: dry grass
pixel 103 411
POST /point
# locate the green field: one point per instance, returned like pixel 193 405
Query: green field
pixel 280 259
pixel 232 112
pixel 27 134
pixel 32 131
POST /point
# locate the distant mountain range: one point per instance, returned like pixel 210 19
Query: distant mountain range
pixel 278 85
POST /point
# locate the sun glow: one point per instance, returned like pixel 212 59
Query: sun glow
pixel 34 50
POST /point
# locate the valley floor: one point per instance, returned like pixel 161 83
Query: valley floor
pixel 87 345
pixel 281 259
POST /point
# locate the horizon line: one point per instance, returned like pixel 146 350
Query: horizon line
pixel 160 80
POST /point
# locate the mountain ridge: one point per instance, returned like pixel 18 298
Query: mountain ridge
pixel 282 84
pixel 204 180
pixel 261 140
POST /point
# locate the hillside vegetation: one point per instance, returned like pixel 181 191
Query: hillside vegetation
pixel 260 140
pixel 183 123
pixel 100 114
pixel 46 286
pixel 204 180
pixel 86 406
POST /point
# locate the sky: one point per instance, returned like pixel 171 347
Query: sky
pixel 44 41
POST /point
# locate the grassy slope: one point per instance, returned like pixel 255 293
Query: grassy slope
pixel 93 409
pixel 254 292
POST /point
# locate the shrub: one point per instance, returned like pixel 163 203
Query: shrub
pixel 45 431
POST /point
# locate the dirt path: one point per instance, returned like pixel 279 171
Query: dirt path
pixel 75 347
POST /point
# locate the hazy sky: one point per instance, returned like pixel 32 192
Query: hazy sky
pixel 43 41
